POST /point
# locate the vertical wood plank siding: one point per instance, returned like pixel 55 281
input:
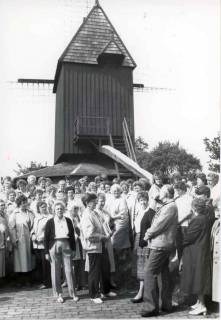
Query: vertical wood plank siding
pixel 91 91
pixel 59 118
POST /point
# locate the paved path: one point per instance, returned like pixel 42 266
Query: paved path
pixel 32 303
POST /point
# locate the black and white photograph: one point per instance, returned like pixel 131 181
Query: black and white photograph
pixel 110 159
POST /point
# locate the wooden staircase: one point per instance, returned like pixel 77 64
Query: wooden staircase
pixel 123 144
pixel 119 144
pixel 128 142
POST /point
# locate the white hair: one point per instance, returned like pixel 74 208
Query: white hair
pixel 59 202
pixel 31 177
pixel 115 187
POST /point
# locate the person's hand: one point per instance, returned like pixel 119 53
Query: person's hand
pixel 108 237
pixel 73 253
pixel 103 238
pixel 181 265
pixel 47 257
pixel 146 237
pixel 39 241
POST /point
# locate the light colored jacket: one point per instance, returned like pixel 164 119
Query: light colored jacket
pixel 184 209
pixel 92 231
pixel 162 233
pixel 133 207
pixel 38 230
pixel 105 219
pixel 153 193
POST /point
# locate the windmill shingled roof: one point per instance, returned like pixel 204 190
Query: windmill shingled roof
pixel 79 168
pixel 94 36
pixel 113 48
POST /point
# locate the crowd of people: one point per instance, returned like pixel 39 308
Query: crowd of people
pixel 97 234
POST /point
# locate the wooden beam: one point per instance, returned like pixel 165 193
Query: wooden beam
pixel 128 163
pixel 36 81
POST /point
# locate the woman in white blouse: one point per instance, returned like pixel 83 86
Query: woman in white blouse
pixel 107 225
pixel 121 233
pixel 59 242
pixel 119 213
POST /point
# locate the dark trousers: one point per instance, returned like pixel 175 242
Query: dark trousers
pixel 99 274
pixel 105 273
pixel 157 264
pixel 179 240
pixel 123 264
pixel 43 266
pixel 80 275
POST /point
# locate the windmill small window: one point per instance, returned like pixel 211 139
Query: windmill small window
pixel 111 54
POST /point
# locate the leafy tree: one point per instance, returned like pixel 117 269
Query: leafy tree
pixel 213 147
pixel 140 144
pixel 168 157
pixel 31 167
pixel 141 151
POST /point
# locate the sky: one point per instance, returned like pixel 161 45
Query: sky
pixel 175 44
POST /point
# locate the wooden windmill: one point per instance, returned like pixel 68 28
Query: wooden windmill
pixel 93 84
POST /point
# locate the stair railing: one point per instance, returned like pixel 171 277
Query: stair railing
pixel 115 163
pixel 128 141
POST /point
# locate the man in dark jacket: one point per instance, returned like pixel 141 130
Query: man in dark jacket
pixel 161 242
pixel 59 250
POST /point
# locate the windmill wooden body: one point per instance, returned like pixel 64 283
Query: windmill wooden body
pixel 94 90
pixel 94 103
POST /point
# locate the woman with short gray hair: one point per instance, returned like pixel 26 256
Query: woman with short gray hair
pixel 60 248
pixel 121 232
